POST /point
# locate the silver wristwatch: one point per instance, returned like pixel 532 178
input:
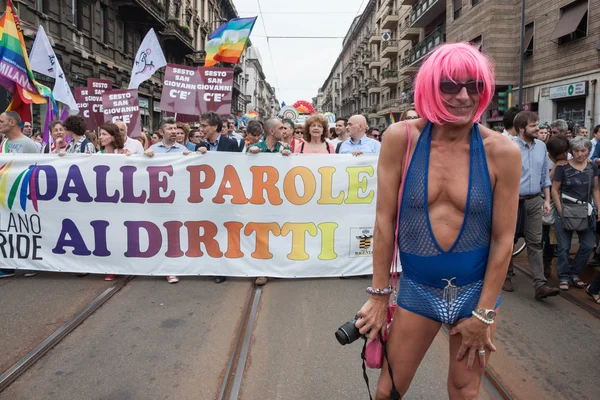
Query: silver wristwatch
pixel 489 315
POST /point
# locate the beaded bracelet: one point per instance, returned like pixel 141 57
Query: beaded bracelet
pixel 379 292
pixel 482 319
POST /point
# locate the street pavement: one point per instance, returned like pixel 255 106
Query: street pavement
pixel 153 340
pixel 33 308
pixel 295 356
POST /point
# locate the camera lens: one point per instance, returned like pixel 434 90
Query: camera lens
pixel 347 333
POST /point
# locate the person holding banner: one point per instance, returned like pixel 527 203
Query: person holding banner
pixel 455 231
pixel 315 133
pixel 111 140
pixel 211 125
pixel 168 127
pixel 59 145
pixel 14 142
pixel 272 143
pixel 288 136
pixel 131 145
pixel 358 143
pixel 75 127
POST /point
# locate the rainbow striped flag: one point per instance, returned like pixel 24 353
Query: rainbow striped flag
pixel 15 72
pixel 228 42
pixel 392 119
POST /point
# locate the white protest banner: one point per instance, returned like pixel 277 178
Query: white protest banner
pixel 228 214
pixel 43 60
pixel 148 60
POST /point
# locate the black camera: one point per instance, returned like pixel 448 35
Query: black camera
pixel 348 332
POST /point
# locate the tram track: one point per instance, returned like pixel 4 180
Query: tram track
pixel 21 366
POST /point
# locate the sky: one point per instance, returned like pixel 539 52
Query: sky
pixel 297 68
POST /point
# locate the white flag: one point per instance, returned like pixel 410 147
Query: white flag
pixel 43 60
pixel 148 60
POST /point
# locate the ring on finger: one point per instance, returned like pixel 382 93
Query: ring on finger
pixel 481 352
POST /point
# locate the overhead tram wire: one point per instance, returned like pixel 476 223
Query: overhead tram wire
pixel 262 19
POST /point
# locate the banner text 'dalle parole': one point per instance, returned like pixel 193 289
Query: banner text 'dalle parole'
pixel 216 214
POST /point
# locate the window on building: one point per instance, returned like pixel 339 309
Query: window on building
pixel 124 44
pixel 104 23
pixel 457 8
pixel 42 6
pixel 572 24
pixel 77 14
pixel 477 43
pixel 528 43
pixel 475 2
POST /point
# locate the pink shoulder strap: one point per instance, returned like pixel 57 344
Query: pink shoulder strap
pixel 396 255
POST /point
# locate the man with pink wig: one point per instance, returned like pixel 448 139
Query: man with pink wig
pixel 455 226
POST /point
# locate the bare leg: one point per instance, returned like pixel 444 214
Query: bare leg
pixel 464 384
pixel 410 337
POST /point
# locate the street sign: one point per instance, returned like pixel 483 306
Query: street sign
pixel 571 90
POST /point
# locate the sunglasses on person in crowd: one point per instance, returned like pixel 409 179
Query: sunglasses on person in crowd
pixel 409 118
pixel 450 87
pixel 544 126
pixel 298 132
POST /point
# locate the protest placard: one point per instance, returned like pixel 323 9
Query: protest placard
pixel 123 105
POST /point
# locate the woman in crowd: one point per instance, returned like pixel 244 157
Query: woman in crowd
pixel 59 145
pixel 573 184
pixel 288 136
pixel 254 132
pixel 409 114
pixel 299 132
pixel 92 136
pixel 38 137
pixel 111 141
pixel 315 132
pixel 156 137
pixel 183 131
pixel 143 140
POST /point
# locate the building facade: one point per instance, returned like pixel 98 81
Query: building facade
pixel 99 39
pixel 561 54
pixel 259 93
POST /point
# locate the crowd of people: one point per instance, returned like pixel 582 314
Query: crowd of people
pixel 559 186
pixel 214 133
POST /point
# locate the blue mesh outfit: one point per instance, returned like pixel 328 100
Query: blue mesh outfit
pixel 444 285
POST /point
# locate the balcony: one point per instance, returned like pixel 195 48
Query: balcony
pixel 390 21
pixel 419 51
pixel 410 34
pixel 375 38
pixel 406 69
pixel 179 34
pixel 394 106
pixel 389 49
pixel 426 12
pixel 408 2
pixel 389 78
pixel 198 58
pixel 152 11
pixel 375 62
pixel 373 86
pixel 246 98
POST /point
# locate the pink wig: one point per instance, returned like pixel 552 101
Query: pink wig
pixel 456 62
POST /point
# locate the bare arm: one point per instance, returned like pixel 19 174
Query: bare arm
pixel 504 220
pixel 556 196
pixel 596 195
pixel 389 173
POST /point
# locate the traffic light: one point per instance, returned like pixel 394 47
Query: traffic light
pixel 504 99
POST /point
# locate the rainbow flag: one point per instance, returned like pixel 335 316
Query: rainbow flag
pixel 228 42
pixel 392 119
pixel 15 72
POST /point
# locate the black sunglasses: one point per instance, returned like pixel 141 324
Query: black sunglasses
pixel 450 87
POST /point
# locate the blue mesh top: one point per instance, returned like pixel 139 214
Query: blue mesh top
pixel 444 285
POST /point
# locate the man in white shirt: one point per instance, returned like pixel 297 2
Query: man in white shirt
pixel 131 145
pixel 231 133
pixel 341 131
pixel 509 117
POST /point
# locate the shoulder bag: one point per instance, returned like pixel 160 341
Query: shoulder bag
pixel 374 350
pixel 576 213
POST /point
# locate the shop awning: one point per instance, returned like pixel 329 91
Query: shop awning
pixel 569 20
